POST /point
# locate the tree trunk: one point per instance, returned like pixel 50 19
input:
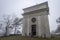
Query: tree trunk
pixel 15 29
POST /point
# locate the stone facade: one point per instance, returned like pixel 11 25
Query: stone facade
pixel 35 21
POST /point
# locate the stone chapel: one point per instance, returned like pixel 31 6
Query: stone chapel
pixel 35 21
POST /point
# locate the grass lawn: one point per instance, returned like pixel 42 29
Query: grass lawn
pixel 19 37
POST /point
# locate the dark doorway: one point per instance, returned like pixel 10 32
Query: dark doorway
pixel 33 30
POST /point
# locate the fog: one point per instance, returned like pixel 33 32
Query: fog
pixel 14 8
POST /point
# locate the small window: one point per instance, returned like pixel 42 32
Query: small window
pixel 33 20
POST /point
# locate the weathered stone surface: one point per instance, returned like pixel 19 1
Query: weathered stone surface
pixel 40 12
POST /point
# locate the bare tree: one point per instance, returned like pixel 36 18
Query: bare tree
pixel 11 22
pixel 7 21
pixel 16 23
pixel 0 26
pixel 58 25
pixel 58 20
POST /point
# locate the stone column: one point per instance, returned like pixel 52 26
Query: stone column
pixel 39 26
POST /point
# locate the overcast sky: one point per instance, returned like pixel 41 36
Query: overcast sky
pixel 14 7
